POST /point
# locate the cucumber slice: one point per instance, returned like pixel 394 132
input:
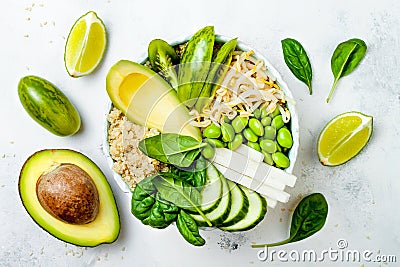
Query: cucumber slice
pixel 212 191
pixel 239 205
pixel 221 212
pixel 257 211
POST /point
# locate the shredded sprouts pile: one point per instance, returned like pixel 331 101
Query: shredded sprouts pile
pixel 245 88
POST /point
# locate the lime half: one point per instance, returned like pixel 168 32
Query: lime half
pixel 85 45
pixel 343 138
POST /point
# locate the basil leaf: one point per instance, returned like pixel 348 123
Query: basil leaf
pixel 345 59
pixel 179 193
pixel 172 148
pixel 297 60
pixel 188 228
pixel 308 218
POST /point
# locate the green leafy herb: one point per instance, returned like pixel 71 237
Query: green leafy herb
pixel 308 218
pixel 179 150
pixel 297 60
pixel 195 175
pixel 179 193
pixel 345 59
pixel 148 206
pixel 187 226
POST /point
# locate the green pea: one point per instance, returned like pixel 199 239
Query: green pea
pixel 276 112
pixel 266 121
pixel 281 160
pixel 277 122
pixel 237 141
pixel 264 112
pixel 208 152
pixel 250 135
pixel 228 133
pixel 253 145
pixel 215 142
pixel 267 158
pixel 239 123
pixel 212 131
pixel 257 113
pixel 269 132
pixel 268 146
pixel 256 126
pixel 284 138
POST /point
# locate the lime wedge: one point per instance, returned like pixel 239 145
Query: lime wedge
pixel 343 137
pixel 85 45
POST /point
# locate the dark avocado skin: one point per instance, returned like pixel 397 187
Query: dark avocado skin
pixel 74 242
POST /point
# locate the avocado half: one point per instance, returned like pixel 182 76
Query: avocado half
pixel 67 195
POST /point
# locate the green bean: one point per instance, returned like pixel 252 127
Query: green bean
pixel 264 112
pixel 257 113
pixel 239 123
pixel 228 133
pixel 212 131
pixel 284 138
pixel 281 160
pixel 256 126
pixel 215 142
pixel 268 146
pixel 277 122
pixel 250 135
pixel 237 141
pixel 269 132
pixel 254 146
pixel 266 121
pixel 208 152
pixel 267 158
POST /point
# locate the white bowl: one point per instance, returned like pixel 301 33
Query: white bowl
pixel 272 72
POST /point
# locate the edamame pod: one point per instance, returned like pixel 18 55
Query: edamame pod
pixel 268 146
pixel 284 138
pixel 277 122
pixel 215 143
pixel 256 126
pixel 237 141
pixel 281 160
pixel 228 133
pixel 250 135
pixel 269 132
pixel 266 121
pixel 267 158
pixel 208 152
pixel 253 145
pixel 212 131
pixel 239 123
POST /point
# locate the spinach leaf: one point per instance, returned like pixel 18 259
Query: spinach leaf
pixel 345 59
pixel 308 218
pixel 179 193
pixel 187 226
pixel 172 148
pixel 297 60
pixel 195 175
pixel 148 207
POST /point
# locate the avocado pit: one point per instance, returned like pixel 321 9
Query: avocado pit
pixel 69 194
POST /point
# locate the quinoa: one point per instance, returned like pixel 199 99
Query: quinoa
pixel 123 138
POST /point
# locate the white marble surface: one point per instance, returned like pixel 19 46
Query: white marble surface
pixel 363 194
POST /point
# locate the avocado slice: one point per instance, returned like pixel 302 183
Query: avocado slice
pixel 67 195
pixel 147 99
